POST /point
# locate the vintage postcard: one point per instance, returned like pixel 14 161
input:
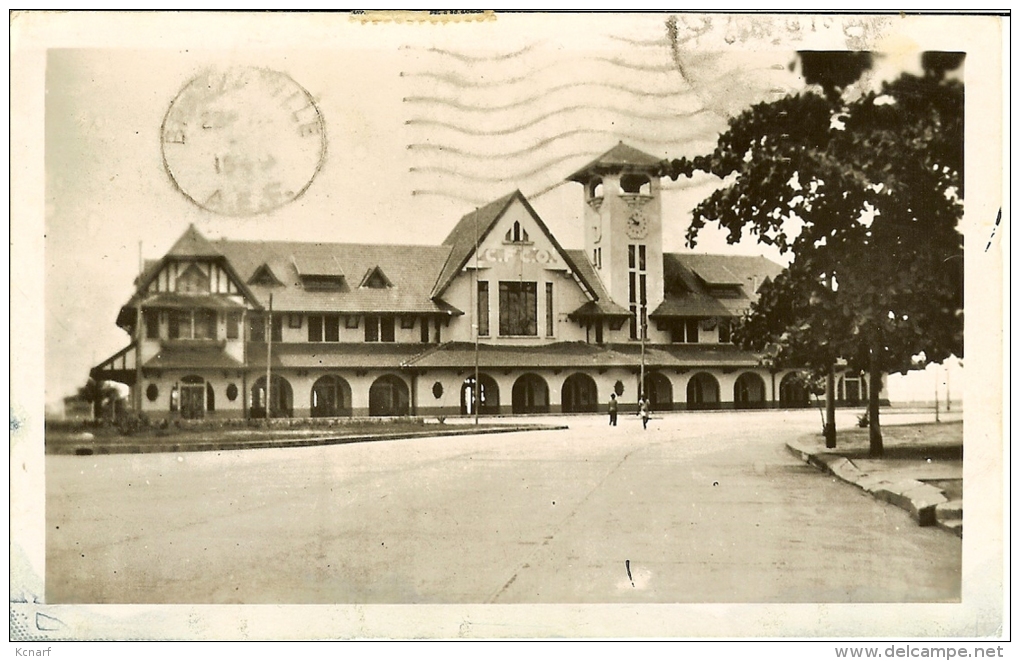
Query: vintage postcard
pixel 485 325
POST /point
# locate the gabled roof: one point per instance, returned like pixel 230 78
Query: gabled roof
pixel 603 305
pixel 474 227
pixel 264 275
pixel 621 158
pixel 691 279
pixel 374 275
pixel 192 244
pixel 411 269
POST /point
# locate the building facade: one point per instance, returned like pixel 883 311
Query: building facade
pixel 229 328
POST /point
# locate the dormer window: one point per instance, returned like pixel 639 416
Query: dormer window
pixel 264 277
pixel 319 271
pixel 376 279
pixel 635 184
pixel 517 234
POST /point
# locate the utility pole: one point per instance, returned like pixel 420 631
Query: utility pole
pixel 937 394
pixel 269 356
pixel 137 392
pixel 475 387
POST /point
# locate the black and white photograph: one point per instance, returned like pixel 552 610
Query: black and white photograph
pixel 482 325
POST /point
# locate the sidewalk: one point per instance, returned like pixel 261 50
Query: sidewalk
pixel 249 439
pixel 921 471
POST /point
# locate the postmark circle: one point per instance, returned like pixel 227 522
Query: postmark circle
pixel 243 141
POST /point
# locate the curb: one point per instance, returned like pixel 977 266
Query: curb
pixel 926 504
pixel 89 448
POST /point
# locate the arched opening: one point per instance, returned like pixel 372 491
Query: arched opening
pixel 749 391
pixel 852 389
pixel 595 188
pixel 388 396
pixel 579 394
pixel 488 396
pixel 192 395
pixel 281 398
pixel 210 397
pixel 331 397
pixel 635 184
pixel 659 391
pixel 702 392
pixel 792 391
pixel 530 395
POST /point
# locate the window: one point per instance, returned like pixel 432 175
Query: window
pixel 192 281
pixel 179 324
pixel 278 328
pixel 151 318
pixel 550 325
pixel 638 289
pixel 376 279
pixel 331 328
pixel 192 324
pixel 314 328
pixel 294 321
pixel 518 308
pixel 378 329
pixel 424 330
pixel 233 325
pixel 517 234
pixel 407 323
pixel 724 332
pixel 323 328
pixel 351 322
pixel 205 325
pixel 257 328
pixel 483 309
pixel 684 331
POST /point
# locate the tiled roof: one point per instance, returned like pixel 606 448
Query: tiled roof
pixel 690 305
pixel 171 300
pixel 604 306
pixel 472 229
pixel 581 355
pixel 192 244
pixel 334 355
pixel 705 285
pixel 620 158
pixel 410 269
pixel 199 355
pixel 746 269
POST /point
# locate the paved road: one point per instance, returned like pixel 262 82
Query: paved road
pixel 701 507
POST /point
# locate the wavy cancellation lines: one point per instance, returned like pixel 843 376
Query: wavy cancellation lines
pixel 479 124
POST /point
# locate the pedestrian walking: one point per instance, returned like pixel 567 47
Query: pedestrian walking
pixel 613 408
pixel 643 411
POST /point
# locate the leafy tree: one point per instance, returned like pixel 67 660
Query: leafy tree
pixel 866 194
pixel 100 394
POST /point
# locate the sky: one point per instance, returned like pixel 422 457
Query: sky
pixel 423 123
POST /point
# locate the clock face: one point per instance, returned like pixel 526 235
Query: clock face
pixel 637 224
pixel 244 141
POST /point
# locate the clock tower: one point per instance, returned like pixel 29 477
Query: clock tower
pixel 623 228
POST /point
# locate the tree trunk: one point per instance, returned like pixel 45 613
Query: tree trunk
pixel 830 408
pixel 874 387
